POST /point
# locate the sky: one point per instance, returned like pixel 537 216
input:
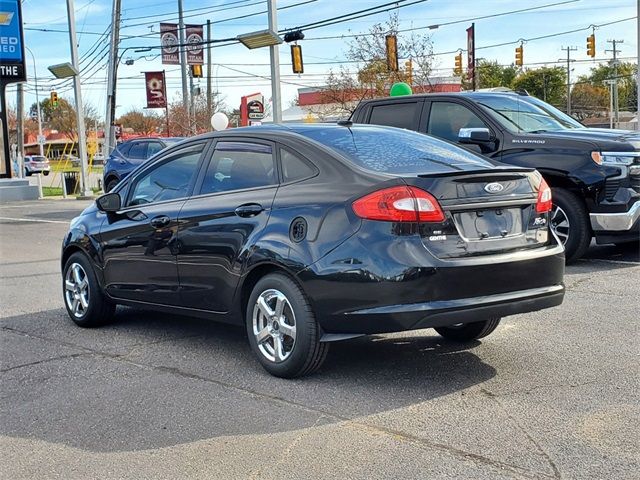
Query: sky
pixel 238 71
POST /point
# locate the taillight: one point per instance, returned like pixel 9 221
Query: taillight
pixel 399 204
pixel 544 198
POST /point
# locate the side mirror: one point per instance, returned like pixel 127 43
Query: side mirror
pixel 109 202
pixel 474 135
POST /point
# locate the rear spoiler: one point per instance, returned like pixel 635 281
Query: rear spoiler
pixel 497 170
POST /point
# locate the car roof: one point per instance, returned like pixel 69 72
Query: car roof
pixel 475 95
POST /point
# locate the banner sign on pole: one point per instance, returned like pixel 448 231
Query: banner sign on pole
pixel 471 55
pixel 194 39
pixel 156 90
pixel 169 41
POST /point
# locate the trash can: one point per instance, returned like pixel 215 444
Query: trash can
pixel 72 182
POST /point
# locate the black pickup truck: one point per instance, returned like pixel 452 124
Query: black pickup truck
pixel 594 173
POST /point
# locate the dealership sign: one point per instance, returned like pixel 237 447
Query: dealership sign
pixel 156 90
pixel 195 55
pixel 170 41
pixel 12 68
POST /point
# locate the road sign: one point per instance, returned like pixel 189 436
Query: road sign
pixel 42 139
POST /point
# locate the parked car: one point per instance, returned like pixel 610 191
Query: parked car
pixel 98 159
pixel 128 155
pixel 36 164
pixel 594 173
pixel 68 159
pixel 309 234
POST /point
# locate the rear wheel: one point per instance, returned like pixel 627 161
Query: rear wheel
pixel 86 303
pixel 282 328
pixel 466 332
pixel 570 222
pixel 46 172
pixel 111 184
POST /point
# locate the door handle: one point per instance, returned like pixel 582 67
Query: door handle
pixel 249 210
pixel 160 221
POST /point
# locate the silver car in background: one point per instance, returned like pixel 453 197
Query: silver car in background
pixel 36 164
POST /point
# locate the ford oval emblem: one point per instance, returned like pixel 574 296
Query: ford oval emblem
pixel 494 187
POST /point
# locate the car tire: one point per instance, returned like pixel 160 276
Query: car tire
pixel 570 220
pixel 288 346
pixel 111 184
pixel 27 173
pixel 46 172
pixel 467 332
pixel 84 300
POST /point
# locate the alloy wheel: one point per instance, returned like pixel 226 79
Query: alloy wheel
pixel 274 325
pixel 560 223
pixel 76 290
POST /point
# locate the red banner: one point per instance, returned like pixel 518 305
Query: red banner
pixel 156 91
pixel 169 41
pixel 471 54
pixel 194 39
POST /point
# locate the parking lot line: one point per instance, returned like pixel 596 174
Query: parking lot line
pixel 41 220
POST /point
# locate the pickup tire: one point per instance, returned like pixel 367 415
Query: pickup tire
pixel 570 221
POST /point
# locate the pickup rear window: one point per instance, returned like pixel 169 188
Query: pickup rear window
pixel 396 151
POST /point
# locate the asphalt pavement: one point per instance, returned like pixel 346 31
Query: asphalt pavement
pixel 552 394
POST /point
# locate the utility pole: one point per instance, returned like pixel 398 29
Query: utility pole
pixel 638 66
pixel 209 112
pixel 109 130
pixel 20 129
pixel 85 191
pixel 276 103
pixel 569 50
pixel 614 63
pixel 183 63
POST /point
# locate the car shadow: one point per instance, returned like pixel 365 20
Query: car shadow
pixel 154 380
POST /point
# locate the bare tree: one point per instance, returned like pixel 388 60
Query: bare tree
pixel 372 78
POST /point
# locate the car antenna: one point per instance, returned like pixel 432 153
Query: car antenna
pixel 345 123
pixel 522 92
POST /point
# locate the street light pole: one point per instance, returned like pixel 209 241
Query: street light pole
pixel 109 130
pixel 276 102
pixel 85 192
pixel 35 76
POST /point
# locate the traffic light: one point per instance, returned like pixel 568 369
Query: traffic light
pixel 591 45
pixel 408 66
pixel 391 42
pixel 196 71
pixel 519 56
pixel 54 99
pixel 296 59
pixel 458 68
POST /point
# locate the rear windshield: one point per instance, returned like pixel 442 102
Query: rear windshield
pixel 38 159
pixel 396 151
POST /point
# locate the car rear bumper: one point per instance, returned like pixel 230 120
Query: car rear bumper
pixel 358 289
pixel 450 312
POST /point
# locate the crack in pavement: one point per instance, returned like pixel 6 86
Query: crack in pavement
pixel 543 453
pixel 398 435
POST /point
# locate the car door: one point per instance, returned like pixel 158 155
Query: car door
pixel 139 242
pixel 445 118
pixel 220 223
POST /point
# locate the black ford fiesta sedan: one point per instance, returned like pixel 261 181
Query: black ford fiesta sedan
pixel 309 234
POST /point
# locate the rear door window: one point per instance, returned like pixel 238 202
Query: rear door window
pixel 401 115
pixel 138 150
pixel 238 166
pixel 293 167
pixel 153 148
pixel 447 118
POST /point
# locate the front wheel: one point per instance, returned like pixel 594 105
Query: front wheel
pixel 282 328
pixel 466 332
pixel 86 303
pixel 570 221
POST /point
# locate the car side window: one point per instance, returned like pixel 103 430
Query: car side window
pixel 153 148
pixel 138 150
pixel 123 148
pixel 168 180
pixel 399 115
pixel 294 167
pixel 447 118
pixel 237 166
